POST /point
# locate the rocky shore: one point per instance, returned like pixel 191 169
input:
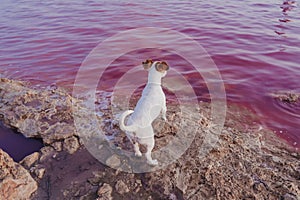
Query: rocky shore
pixel 249 162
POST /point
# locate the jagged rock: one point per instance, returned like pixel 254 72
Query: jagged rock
pixel 39 172
pixel 29 160
pixel 113 161
pixel 172 197
pixel 15 182
pixel 121 187
pixel 247 163
pixel 290 197
pixel 242 165
pixel 57 132
pixel 104 192
pixel 97 176
pixel 57 146
pixel 45 114
pixel 71 144
pixel 286 96
pixel 182 181
pixel 47 153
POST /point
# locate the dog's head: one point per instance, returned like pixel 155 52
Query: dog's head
pixel 160 66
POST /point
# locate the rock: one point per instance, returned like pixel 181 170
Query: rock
pixel 57 146
pixel 286 96
pixel 113 161
pixel 97 176
pixel 15 181
pixel 47 152
pixel 237 168
pixel 276 159
pixel 7 166
pixel 172 197
pixel 29 160
pixel 104 192
pixel 45 114
pixel 57 132
pixel 39 172
pixel 28 127
pixel 246 163
pixel 289 197
pixel 121 187
pixel 182 181
pixel 71 144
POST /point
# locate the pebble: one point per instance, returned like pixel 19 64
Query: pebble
pixel 295 143
pixel 121 187
pixel 71 144
pixel 40 172
pixel 29 160
pixel 113 161
pixel 104 192
pixel 57 146
pixel 288 196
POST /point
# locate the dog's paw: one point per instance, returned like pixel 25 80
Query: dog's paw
pixel 138 154
pixel 152 162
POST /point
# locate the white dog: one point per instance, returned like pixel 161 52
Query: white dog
pixel 153 101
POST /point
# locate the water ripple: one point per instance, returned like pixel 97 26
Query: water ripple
pixel 255 44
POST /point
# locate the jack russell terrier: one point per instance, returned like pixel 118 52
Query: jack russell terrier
pixel 153 101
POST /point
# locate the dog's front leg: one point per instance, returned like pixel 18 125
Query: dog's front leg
pixel 149 143
pixel 164 111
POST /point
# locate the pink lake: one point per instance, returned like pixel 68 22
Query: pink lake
pixel 255 45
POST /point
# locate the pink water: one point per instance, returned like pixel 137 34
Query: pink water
pixel 255 44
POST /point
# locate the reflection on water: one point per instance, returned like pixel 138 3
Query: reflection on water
pixel 286 6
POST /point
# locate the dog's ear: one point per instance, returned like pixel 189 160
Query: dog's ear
pixel 162 66
pixel 147 64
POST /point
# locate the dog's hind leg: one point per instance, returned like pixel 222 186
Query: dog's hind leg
pixel 149 142
pixel 135 143
pixel 150 146
pixel 137 151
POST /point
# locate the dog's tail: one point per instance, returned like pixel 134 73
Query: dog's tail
pixel 123 127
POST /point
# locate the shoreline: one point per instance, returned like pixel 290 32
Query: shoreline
pixel 249 161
